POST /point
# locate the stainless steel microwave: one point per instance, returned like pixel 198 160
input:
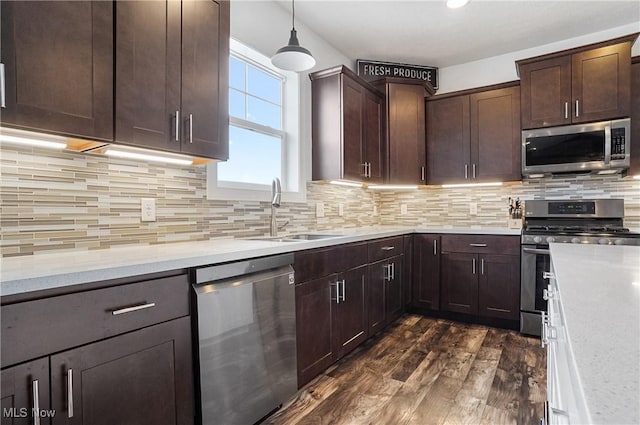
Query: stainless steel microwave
pixel 599 147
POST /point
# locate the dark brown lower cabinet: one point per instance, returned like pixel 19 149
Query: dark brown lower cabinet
pixel 315 301
pixel 498 293
pixel 350 318
pixel 407 271
pixel 385 292
pixel 426 271
pixel 459 282
pixel 25 391
pixel 142 377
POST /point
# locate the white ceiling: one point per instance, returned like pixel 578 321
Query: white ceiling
pixel 427 32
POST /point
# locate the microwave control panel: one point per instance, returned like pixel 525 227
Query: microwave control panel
pixel 618 143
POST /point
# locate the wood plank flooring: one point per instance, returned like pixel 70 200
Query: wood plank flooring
pixel 423 371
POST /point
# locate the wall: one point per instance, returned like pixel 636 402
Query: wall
pixel 69 201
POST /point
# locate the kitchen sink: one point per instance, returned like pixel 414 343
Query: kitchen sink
pixel 295 238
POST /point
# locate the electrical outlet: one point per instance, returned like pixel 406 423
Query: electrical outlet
pixel 473 208
pixel 340 210
pixel 148 209
pixel 403 209
pixel 320 209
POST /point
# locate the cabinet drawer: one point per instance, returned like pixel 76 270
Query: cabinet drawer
pixel 481 244
pixel 385 248
pixel 41 327
pixel 316 263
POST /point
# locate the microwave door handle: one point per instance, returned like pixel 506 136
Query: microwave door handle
pixel 607 145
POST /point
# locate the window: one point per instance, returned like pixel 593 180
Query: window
pixel 263 130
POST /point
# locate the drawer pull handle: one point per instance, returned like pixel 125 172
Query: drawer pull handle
pixel 548 275
pixel 70 393
pixel 133 308
pixel 478 245
pixel 388 248
pixel 36 402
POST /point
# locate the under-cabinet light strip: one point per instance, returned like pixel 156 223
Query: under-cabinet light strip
pixel 147 157
pixel 472 185
pixel 345 183
pixel 18 140
pixel 392 187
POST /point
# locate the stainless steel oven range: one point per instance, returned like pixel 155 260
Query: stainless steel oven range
pixel 585 221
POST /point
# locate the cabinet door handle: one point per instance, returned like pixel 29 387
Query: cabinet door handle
pixel 70 393
pixel 474 170
pixel 36 402
pixel 435 247
pixel 393 271
pixel 133 308
pixel 466 171
pixel 473 265
pixel 482 266
pixel 337 286
pixel 177 126
pixel 422 173
pixel 3 95
pixel 566 110
pixel 344 291
pixel 190 128
pixel 577 108
pixel 388 248
pixel 478 245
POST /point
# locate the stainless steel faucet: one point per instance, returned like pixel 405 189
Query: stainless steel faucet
pixel 276 195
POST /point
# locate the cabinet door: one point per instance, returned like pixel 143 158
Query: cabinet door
pixel 546 92
pixel 426 281
pixel 407 270
pixel 448 140
pixel 352 119
pixel 142 377
pixel 496 148
pixel 350 324
pixel 600 83
pixel 148 74
pixel 394 306
pixel 406 130
pixel 374 147
pixel 378 278
pixel 459 282
pixel 315 301
pixel 58 58
pixel 499 286
pixel 635 117
pixel 18 385
pixel 205 76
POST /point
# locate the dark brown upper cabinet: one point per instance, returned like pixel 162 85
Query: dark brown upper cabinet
pixel 584 84
pixel 58 59
pixel 347 127
pixel 635 117
pixel 405 127
pixel 172 65
pixel 474 136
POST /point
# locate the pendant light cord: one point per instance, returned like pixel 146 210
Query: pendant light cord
pixel 293 14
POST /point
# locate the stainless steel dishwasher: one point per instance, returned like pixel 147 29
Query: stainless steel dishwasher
pixel 245 315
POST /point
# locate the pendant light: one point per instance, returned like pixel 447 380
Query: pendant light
pixel 293 57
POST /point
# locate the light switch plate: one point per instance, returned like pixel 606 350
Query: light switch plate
pixel 473 208
pixel 148 209
pixel 403 209
pixel 340 210
pixel 320 209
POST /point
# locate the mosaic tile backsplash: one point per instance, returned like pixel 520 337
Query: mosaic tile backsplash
pixel 55 201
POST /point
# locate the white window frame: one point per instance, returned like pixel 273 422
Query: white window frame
pixel 293 181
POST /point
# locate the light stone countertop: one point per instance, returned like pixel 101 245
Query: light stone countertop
pixel 599 289
pixel 19 275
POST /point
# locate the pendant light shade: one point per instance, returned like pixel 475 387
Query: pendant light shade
pixel 293 57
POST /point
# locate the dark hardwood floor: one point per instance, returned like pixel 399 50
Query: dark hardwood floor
pixel 428 371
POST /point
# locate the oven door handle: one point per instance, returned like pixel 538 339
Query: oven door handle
pixel 536 251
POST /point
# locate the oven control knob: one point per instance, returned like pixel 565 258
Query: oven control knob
pixel 575 240
pixel 537 239
pixel 551 239
pixel 603 241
